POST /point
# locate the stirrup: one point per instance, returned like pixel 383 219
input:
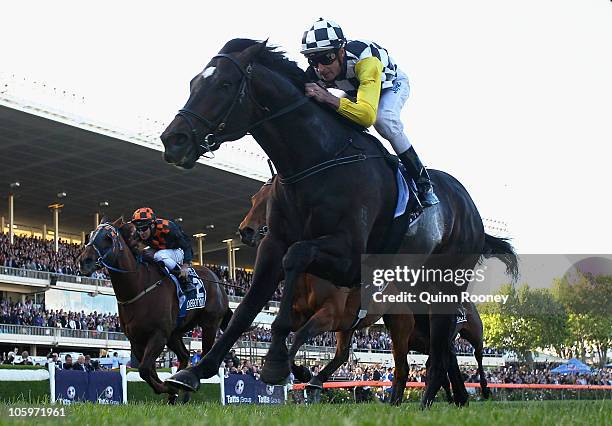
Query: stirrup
pixel 427 197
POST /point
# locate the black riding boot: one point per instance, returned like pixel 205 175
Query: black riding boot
pixel 418 172
pixel 184 282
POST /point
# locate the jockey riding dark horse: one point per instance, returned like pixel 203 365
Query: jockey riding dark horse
pixel 332 203
pixel 171 245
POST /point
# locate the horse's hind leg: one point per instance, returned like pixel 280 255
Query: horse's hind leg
pixel 477 343
pixel 440 326
pixel 400 327
pixel 176 344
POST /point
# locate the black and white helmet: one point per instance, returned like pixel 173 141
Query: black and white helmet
pixel 323 35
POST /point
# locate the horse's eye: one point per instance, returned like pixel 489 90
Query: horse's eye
pixel 226 85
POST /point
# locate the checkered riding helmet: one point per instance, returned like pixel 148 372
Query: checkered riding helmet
pixel 143 217
pixel 323 35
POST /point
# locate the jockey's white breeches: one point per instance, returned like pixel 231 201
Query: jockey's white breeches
pixel 170 257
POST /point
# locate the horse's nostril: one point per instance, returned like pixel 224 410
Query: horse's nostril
pixel 246 235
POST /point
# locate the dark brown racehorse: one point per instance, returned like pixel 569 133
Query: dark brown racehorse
pixel 147 302
pixel 321 306
pixel 334 201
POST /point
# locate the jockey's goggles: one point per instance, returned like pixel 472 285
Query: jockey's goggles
pixel 324 58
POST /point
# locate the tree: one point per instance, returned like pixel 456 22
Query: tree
pixel 530 319
pixel 588 300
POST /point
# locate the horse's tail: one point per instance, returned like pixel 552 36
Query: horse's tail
pixel 503 250
pixel 226 318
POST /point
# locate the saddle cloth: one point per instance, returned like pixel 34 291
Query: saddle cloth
pixel 195 299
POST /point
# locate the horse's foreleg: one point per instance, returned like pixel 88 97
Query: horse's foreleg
pixel 343 346
pixel 147 366
pixel 267 275
pixel 400 327
pixel 299 257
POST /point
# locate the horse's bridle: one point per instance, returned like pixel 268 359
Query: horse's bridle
pixel 102 257
pixel 213 138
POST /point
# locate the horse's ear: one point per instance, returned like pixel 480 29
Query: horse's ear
pixel 119 222
pixel 250 53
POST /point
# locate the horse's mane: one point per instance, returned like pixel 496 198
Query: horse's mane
pixel 276 60
pixel 271 58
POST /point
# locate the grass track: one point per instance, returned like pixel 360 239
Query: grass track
pixel 478 413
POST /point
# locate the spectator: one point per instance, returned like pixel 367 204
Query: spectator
pixel 196 357
pixel 68 364
pixel 80 364
pixel 91 365
pixel 231 356
pixel 54 358
pixel 25 359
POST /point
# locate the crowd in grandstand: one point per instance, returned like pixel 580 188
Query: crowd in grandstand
pixel 241 284
pixel 28 313
pixel 39 255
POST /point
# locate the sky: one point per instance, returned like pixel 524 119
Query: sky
pixel 512 98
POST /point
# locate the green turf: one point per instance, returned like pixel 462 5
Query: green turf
pixel 478 413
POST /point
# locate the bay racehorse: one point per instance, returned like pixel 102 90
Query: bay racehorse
pixel 334 200
pixel 148 304
pixel 320 306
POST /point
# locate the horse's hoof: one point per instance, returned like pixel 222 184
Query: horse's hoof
pixel 426 404
pixel 275 372
pixel 301 373
pixel 395 402
pixel 462 400
pixel 186 397
pixel 486 393
pixel 184 380
pixel 172 399
pixel 313 395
